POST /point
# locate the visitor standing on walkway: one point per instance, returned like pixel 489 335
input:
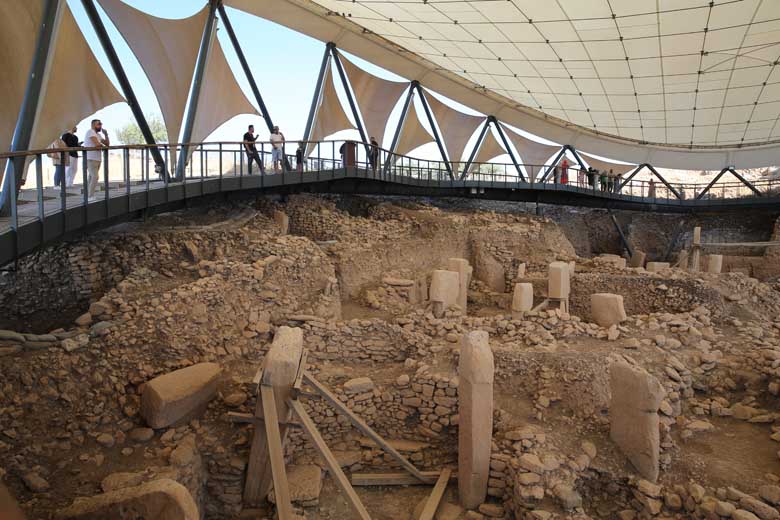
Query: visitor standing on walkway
pixel 651 189
pixel 277 149
pixel 251 149
pixel 603 180
pixel 581 177
pixel 373 156
pixel 300 156
pixel 71 140
pixel 59 159
pixel 95 139
pixel 611 181
pixel 618 183
pixel 565 172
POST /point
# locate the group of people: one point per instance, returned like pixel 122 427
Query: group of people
pixel 277 150
pixel 66 164
pixel 607 181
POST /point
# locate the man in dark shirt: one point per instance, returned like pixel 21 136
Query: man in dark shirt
pixel 71 141
pixel 251 149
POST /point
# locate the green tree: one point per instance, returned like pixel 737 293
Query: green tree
pixel 131 133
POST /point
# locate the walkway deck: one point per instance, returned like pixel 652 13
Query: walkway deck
pixel 64 218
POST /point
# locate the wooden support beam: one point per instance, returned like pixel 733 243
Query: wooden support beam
pixel 394 479
pixel 276 452
pixel 438 491
pixel 330 459
pixel 365 428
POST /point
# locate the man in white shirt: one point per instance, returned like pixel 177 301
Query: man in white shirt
pixel 277 148
pixel 97 138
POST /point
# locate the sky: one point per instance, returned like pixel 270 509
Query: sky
pixel 284 63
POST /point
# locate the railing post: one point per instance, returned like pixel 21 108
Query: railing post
pixel 63 188
pixel 39 182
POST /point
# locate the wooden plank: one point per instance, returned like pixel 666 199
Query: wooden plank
pixel 276 452
pixel 330 459
pixel 432 504
pixel 362 426
pixel 393 479
pixel 299 377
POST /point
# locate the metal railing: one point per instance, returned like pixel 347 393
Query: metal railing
pixel 125 170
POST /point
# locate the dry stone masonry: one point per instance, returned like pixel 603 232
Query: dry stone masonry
pixel 128 360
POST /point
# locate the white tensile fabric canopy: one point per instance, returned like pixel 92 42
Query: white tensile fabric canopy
pixel 221 98
pixel 19 23
pixel 167 51
pixel 489 149
pixel 605 166
pixel 531 152
pixel 376 97
pixel 456 127
pixel 413 133
pixel 329 117
pixel 678 84
pixel 77 86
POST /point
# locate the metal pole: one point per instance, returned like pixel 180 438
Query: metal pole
pixel 554 162
pixel 506 145
pixel 628 179
pixel 124 82
pixel 248 73
pixel 317 93
pixel 668 186
pixel 397 135
pixel 429 115
pixel 200 70
pixel 477 146
pixel 350 99
pixel 34 94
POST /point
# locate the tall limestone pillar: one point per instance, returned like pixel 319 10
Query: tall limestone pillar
pixel 475 427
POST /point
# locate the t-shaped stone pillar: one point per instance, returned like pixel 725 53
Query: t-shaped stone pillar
pixel 522 299
pixel 475 409
pixel 445 289
pixel 714 264
pixel 464 270
pixel 558 284
pixel 280 368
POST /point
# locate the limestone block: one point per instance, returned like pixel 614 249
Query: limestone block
pixel 714 264
pixel 558 285
pixel 445 287
pixel 637 259
pixel 475 409
pixel 697 235
pixel 523 297
pixel 654 267
pixel 633 416
pixel 607 309
pixel 163 499
pixel 520 270
pixel 179 395
pixel 283 221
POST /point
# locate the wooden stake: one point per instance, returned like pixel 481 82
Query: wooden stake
pixel 438 491
pixel 276 452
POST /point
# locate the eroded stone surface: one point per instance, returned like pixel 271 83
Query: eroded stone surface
pixel 179 395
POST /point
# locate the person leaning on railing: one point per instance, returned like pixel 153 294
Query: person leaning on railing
pixel 61 160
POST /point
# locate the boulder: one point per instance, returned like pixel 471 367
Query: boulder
pixel 163 499
pixel 305 483
pixel 179 395
pixel 607 309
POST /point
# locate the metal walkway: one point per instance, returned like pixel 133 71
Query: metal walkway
pixel 47 214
